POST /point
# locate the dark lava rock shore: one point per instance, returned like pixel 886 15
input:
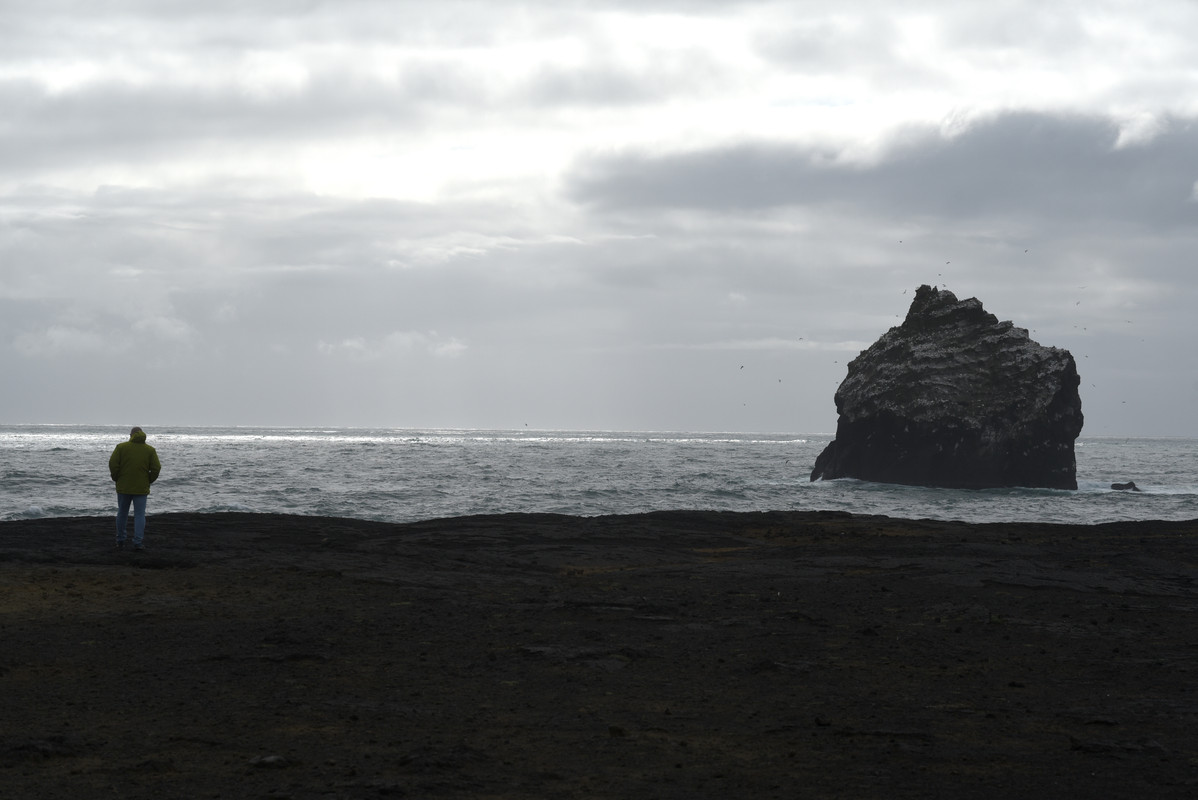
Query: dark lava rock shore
pixel 666 655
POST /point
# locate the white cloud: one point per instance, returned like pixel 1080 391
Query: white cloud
pixel 61 340
pixel 396 344
pixel 1140 128
pixel 164 328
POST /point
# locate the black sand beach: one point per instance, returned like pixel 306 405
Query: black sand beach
pixel 669 655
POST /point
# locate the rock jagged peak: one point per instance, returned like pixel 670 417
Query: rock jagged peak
pixel 954 397
pixel 934 308
pixel 938 306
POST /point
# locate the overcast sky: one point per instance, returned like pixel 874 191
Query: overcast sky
pixel 649 215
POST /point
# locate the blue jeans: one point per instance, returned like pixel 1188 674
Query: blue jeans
pixel 138 501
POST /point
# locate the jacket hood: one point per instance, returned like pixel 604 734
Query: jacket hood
pixel 140 436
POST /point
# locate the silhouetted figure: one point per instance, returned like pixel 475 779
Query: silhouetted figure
pixel 134 466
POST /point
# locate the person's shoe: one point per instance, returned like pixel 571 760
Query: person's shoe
pixel 139 547
pixel 120 545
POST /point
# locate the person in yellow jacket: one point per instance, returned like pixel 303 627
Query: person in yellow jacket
pixel 134 466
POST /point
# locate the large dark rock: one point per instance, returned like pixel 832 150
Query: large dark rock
pixel 955 398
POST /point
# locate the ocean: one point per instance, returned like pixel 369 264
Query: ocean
pixel 408 475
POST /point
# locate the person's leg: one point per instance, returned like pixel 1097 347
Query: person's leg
pixel 122 512
pixel 139 519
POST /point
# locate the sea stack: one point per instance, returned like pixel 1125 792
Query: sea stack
pixel 954 398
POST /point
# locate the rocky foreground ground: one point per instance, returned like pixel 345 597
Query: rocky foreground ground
pixel 669 655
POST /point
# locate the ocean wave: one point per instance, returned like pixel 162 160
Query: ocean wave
pixel 406 475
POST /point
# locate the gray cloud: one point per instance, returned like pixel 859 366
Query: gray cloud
pixel 830 46
pixel 127 123
pixel 1019 165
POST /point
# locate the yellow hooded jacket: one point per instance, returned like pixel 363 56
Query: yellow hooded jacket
pixel 134 465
